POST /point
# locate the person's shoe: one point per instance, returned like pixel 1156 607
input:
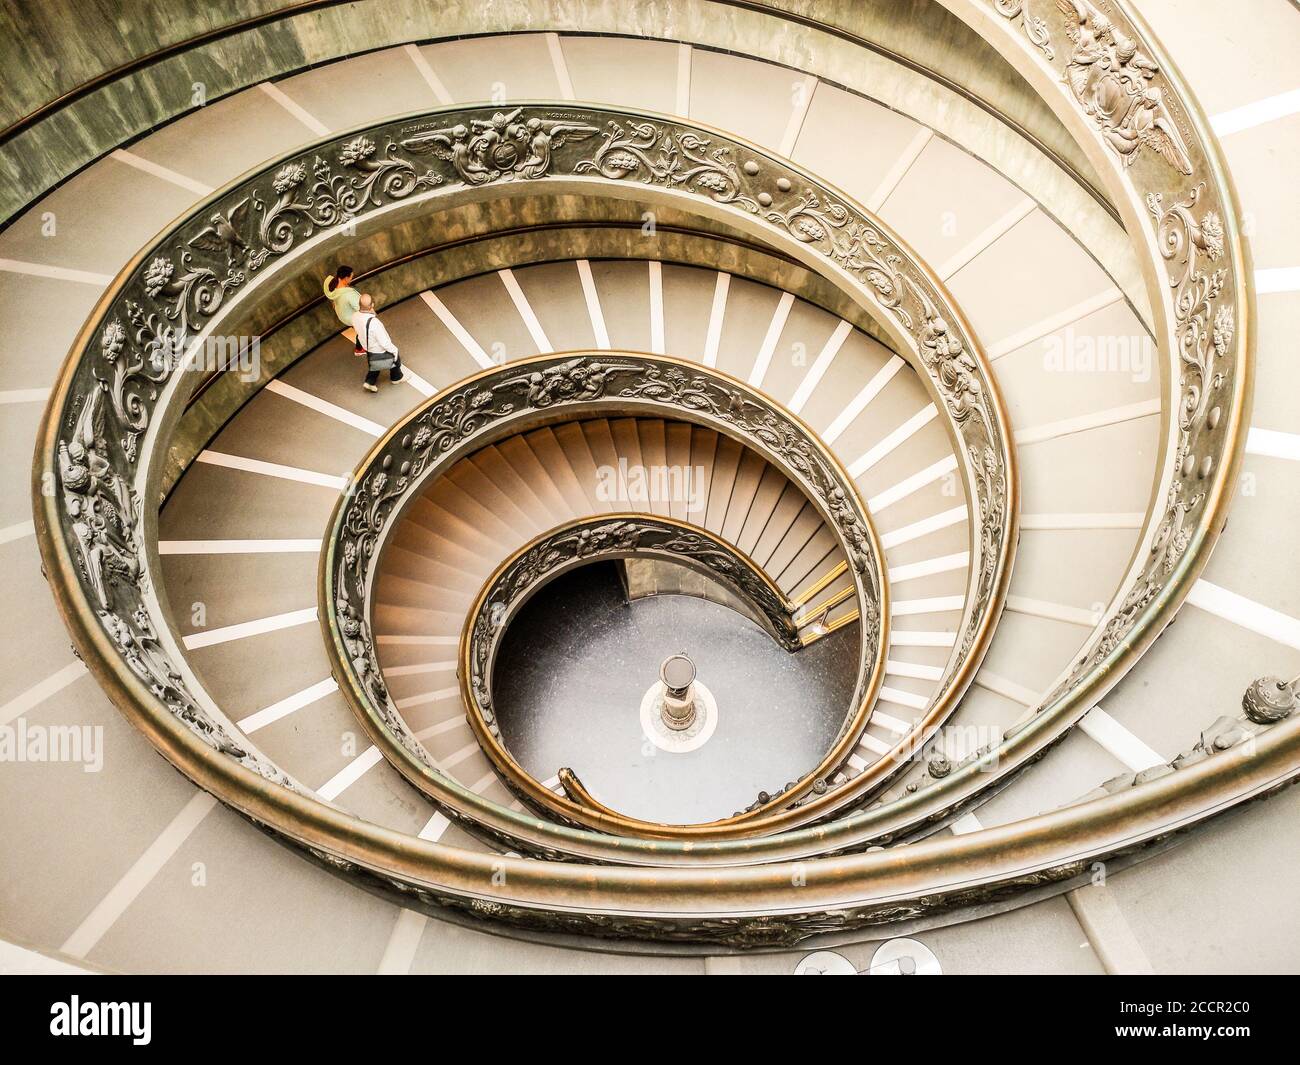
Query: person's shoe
pixel 369 387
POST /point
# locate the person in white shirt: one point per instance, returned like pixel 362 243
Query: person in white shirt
pixel 381 352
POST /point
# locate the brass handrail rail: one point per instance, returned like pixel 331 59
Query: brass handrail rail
pixel 755 906
pixel 578 543
pixel 504 401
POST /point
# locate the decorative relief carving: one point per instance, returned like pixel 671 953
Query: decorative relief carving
pixel 450 424
pixel 505 146
pixel 192 273
pixel 1035 28
pixel 672 158
pixel 1114 83
pixel 1203 332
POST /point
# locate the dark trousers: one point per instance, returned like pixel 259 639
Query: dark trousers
pixel 394 373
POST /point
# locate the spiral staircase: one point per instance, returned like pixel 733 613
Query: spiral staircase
pixel 968 319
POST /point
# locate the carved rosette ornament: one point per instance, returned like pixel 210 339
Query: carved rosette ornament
pixel 1269 700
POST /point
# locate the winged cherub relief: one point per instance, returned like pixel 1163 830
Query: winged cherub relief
pixel 1112 80
pixel 501 146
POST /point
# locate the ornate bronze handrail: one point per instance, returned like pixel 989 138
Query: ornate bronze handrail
pixel 175 294
pixel 579 543
pixel 90 560
pixel 500 402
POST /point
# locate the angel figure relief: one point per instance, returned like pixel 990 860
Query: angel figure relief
pixel 502 146
pixel 100 505
pixel 1112 80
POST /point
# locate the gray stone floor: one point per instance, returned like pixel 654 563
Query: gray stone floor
pixel 576 662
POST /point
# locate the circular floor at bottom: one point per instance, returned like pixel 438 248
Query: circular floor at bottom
pixel 577 660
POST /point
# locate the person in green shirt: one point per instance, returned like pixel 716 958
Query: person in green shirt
pixel 346 299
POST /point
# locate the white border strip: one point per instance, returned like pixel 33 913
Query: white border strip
pixel 919 638
pixel 656 306
pixel 915 483
pixel 272 469
pixel 684 62
pixel 137 878
pixel 937 604
pixel 929 567
pixel 1273 444
pixel 592 297
pixel 427 72
pixel 1256 113
pixel 774 329
pixel 350 774
pixel 1119 741
pixel 1247 613
pixel 719 310
pixel 987 238
pixel 858 403
pixel 57 273
pixel 238 547
pixel 325 407
pixel 1277 279
pixel 417 382
pixel 901 698
pixel 1060 320
pixel 24 395
pixel 457 330
pixel 1040 608
pixel 807 87
pixel 161 172
pixel 526 312
pixel 294 108
pixel 894 440
pixel 404 940
pixel 908 533
pixel 38 693
pixel 10 533
pixel 1008 689
pixel 914 670
pixel 819 367
pixel 226 633
pixel 286 706
pixel 1082 423
pixel 877 200
pixel 561 67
